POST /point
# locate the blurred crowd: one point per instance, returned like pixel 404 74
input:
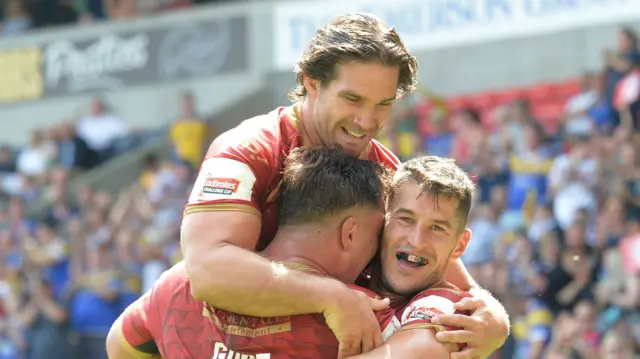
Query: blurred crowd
pixel 20 16
pixel 67 272
pixel 556 218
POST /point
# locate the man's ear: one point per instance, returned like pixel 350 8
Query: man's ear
pixel 461 245
pixel 312 86
pixel 348 232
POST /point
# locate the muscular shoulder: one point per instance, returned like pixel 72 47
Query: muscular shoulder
pixel 173 280
pixel 243 165
pixel 259 138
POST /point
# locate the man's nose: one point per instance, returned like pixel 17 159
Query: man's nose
pixel 366 119
pixel 417 239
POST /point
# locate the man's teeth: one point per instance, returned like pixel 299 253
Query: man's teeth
pixel 412 259
pixel 415 259
pixel 355 134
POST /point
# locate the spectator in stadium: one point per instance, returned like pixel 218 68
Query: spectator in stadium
pixel 577 121
pixel 45 318
pixel 53 12
pixel 440 139
pixel 7 162
pixel 517 115
pixel 121 9
pixel 73 151
pixel 101 130
pixel 48 254
pixel 469 137
pixel 572 180
pixel 35 158
pixel 15 20
pixel 528 169
pixel 627 94
pixel 189 133
pixel 94 304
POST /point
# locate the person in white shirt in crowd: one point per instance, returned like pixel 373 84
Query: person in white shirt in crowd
pixel 572 180
pixel 35 158
pixel 577 120
pixel 101 129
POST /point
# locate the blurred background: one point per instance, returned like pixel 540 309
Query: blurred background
pixel 106 107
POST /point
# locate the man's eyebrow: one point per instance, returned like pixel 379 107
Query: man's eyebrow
pixel 442 222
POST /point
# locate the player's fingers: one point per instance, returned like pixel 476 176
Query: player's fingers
pixel 377 338
pixel 459 321
pixel 455 336
pixel 367 344
pixel 379 304
pixel 348 349
pixel 469 304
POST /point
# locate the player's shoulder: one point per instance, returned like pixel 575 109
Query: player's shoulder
pixel 439 300
pixel 384 155
pixel 173 279
pixel 446 291
pixel 262 133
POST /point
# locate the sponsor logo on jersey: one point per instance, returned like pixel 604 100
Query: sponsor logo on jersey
pixel 226 186
pixel 223 179
pixel 424 309
pixel 222 352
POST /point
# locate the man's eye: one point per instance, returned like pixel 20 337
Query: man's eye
pixel 437 229
pixel 405 220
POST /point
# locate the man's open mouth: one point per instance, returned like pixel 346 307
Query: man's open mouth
pixel 411 260
pixel 355 134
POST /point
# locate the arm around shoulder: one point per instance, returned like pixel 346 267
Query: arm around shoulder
pixel 215 241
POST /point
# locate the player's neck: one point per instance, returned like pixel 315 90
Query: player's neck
pixel 308 131
pixel 298 245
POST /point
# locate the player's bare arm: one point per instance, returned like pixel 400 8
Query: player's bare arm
pixel 255 286
pixel 119 348
pixel 410 344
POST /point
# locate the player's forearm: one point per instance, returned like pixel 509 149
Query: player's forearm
pixel 409 344
pixel 244 282
pixel 458 275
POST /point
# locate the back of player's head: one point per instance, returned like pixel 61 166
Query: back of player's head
pixel 354 38
pixel 322 182
pixel 437 176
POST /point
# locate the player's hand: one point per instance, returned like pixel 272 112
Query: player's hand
pixel 483 332
pixel 351 318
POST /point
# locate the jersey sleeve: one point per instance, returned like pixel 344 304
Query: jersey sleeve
pixel 237 170
pixel 429 304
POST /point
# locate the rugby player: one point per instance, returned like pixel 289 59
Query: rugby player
pixel 348 78
pixel 331 214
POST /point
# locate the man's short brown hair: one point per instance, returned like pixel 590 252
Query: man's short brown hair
pixel 321 182
pixel 438 176
pixel 354 37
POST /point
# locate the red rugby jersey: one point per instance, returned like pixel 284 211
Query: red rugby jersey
pixel 418 312
pixel 183 327
pixel 242 169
